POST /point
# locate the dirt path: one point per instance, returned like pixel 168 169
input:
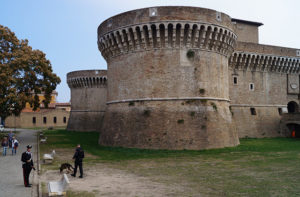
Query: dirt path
pixel 109 182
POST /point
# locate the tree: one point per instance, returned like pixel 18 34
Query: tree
pixel 24 73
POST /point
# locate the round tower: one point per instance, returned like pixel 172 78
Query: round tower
pixel 88 99
pixel 168 72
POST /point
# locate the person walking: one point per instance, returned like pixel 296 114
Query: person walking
pixel 27 165
pixel 78 157
pixel 4 145
pixel 10 138
pixel 14 146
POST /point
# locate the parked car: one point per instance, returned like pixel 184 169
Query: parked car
pixel 1 127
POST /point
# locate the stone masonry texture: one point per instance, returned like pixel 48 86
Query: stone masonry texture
pixel 184 78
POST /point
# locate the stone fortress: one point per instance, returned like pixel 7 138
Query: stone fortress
pixel 88 99
pixel 185 78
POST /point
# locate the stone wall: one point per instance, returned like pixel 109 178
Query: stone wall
pixel 168 79
pixel 88 99
pixel 274 75
pixel 179 80
pixel 247 31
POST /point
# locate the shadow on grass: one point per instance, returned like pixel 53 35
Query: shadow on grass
pixel 89 142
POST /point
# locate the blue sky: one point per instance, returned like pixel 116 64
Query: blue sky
pixel 66 30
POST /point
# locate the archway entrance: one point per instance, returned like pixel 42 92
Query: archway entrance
pixel 294 130
pixel 293 107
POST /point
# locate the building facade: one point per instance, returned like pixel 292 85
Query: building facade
pixel 56 115
pixel 38 119
pixel 193 78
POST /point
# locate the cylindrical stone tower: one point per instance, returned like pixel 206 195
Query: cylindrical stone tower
pixel 168 78
pixel 88 99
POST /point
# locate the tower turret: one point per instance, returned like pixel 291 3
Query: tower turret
pixel 88 99
pixel 168 78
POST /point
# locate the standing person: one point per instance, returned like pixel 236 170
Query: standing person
pixel 14 146
pixel 78 156
pixel 10 138
pixel 27 165
pixel 4 144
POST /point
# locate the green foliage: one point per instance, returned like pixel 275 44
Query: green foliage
pixel 131 103
pixel 203 126
pixel 203 101
pixel 190 53
pixel 180 121
pixel 24 73
pixel 214 106
pixel 193 113
pixel 190 101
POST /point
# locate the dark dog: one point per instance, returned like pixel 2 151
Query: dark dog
pixel 66 166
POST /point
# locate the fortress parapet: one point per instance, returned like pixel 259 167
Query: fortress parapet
pixel 264 62
pixel 88 99
pixel 168 78
pixel 80 82
pixel 166 28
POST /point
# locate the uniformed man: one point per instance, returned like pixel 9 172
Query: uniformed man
pixel 27 160
pixel 78 156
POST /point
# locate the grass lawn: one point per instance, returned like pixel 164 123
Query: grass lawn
pixel 257 167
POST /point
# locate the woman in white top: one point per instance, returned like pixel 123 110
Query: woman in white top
pixel 14 146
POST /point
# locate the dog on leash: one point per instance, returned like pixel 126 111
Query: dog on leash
pixel 66 166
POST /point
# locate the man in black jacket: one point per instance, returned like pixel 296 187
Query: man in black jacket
pixel 27 165
pixel 78 156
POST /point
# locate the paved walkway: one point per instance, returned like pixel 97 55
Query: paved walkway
pixel 11 181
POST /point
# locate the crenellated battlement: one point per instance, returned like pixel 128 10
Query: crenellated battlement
pixel 167 35
pixel 264 62
pixel 87 78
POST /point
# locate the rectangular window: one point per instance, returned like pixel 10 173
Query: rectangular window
pixel 44 120
pixel 33 120
pixel 54 120
pixel 253 111
pixel 235 80
pixel 65 119
pixel 280 111
pixel 251 86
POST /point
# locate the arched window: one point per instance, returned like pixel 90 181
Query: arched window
pixel 293 107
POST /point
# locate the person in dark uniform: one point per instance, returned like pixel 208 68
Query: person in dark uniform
pixel 78 156
pixel 27 160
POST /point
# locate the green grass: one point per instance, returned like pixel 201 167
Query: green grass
pixel 89 141
pixel 257 167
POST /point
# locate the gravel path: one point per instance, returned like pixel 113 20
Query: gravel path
pixel 11 181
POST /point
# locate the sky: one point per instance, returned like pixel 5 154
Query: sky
pixel 66 30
